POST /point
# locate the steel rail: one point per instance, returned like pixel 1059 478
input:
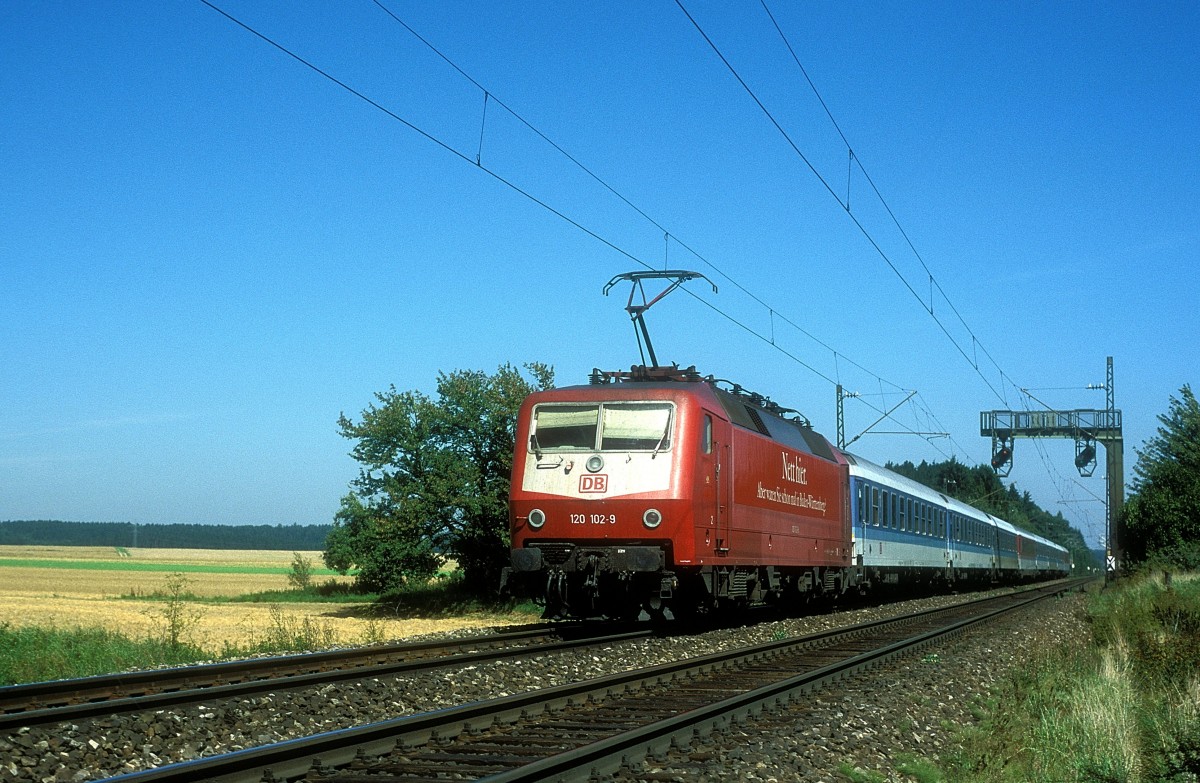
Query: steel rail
pixel 610 755
pixel 320 755
pixel 86 688
pixel 190 685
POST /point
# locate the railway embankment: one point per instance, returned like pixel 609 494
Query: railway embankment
pixel 896 723
pixel 875 723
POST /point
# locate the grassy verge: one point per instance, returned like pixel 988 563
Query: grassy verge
pixel 37 654
pixel 1125 710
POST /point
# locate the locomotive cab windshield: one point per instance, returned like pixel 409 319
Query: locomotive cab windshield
pixel 606 426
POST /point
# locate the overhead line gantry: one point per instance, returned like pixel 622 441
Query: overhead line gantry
pixel 1086 427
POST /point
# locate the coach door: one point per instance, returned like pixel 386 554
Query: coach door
pixel 716 464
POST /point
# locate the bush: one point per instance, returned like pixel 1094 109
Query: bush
pixel 300 576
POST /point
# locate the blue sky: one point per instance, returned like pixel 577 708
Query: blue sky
pixel 208 251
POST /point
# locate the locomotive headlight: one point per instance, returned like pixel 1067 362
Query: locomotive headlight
pixel 594 463
pixel 537 518
pixel 651 518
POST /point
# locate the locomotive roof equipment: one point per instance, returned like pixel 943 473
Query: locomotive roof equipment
pixel 637 311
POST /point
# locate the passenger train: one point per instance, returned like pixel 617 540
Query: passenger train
pixel 663 492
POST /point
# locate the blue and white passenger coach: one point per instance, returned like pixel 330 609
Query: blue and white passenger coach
pixel 906 533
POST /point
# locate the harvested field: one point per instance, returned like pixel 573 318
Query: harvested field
pixel 86 588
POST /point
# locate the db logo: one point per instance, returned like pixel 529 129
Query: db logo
pixel 593 482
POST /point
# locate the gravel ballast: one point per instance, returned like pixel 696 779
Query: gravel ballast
pixel 903 708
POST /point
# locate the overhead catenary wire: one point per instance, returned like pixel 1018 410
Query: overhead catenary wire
pixel 832 192
pixel 855 160
pixel 489 96
pixel 668 235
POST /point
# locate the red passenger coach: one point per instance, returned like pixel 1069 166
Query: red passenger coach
pixel 658 490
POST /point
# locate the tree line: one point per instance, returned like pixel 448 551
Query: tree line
pixel 1161 520
pixel 299 538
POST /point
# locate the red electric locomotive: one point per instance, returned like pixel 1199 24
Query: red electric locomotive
pixel 658 490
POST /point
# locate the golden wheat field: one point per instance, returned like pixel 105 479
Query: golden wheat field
pixel 91 588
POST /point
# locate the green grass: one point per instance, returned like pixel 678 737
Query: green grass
pixel 37 654
pixel 1124 710
pixel 860 775
pixel 922 770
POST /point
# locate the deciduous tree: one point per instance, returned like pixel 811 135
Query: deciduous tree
pixel 433 480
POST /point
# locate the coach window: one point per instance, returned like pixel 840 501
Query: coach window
pixel 707 434
pixel 875 506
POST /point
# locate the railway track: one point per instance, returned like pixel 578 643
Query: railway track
pixel 575 731
pixel 79 699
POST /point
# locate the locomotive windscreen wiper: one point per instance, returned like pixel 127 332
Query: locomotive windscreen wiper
pixel 663 439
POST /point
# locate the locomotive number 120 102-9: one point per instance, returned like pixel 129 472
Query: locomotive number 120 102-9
pixel 593 519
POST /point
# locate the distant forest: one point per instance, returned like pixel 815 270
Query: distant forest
pixel 296 538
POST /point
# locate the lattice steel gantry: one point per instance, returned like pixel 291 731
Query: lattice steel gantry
pixel 1086 427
